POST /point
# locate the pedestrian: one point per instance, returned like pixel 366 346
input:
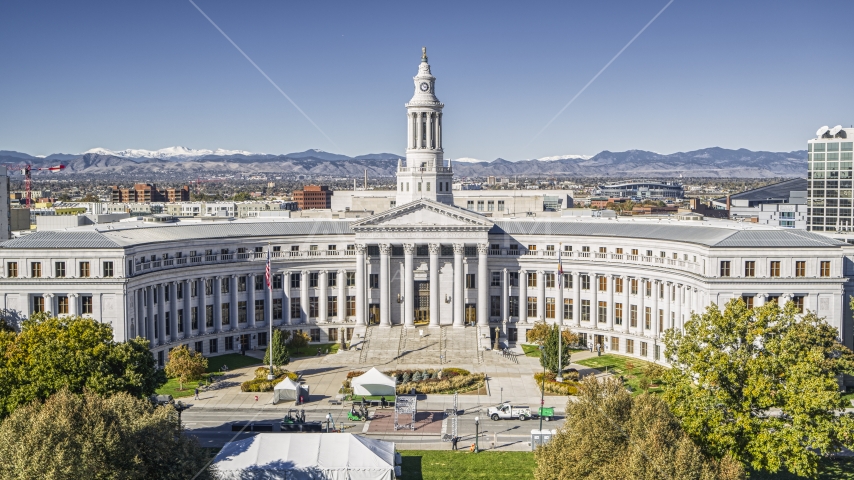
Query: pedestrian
pixel 454 443
pixel 197 394
pixel 300 400
pixel 256 398
pixel 382 402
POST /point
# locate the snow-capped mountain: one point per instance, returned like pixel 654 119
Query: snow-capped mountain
pixel 565 157
pixel 167 153
pixel 468 160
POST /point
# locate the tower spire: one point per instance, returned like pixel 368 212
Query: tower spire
pixel 423 54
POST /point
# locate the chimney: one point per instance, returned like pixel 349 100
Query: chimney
pixel 728 199
pixel 366 179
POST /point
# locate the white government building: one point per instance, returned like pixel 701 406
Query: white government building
pixel 422 262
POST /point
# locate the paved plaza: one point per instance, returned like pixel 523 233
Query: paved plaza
pixel 392 348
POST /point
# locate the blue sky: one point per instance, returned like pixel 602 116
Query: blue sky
pixel 152 74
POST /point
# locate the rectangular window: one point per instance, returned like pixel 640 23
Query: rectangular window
pixel 750 268
pixel 490 206
pixel 242 310
pixel 351 306
pixel 198 346
pixel 470 205
pixel 470 281
pixel 259 282
pixel 59 269
pixel 633 316
pixel 660 320
pixel 800 269
pixel 374 280
pixel 647 318
pixel 775 269
pixel 514 278
pixel 86 304
pixel 615 344
pixel 550 307
pixel 84 270
pixel 209 316
pixel 799 303
pixel 313 307
pixel 259 310
pixel 567 309
pixel 62 304
pixel 748 301
pixel 351 279
pixel 634 286
pixel 630 346
pixel 661 290
pixel 648 288
pixel 618 285
pixel 224 285
pixel 428 186
pixel 585 310
pixel 229 343
pixel 38 304
pixel 496 279
pixel 225 313
pixel 12 269
pixel 332 333
pixel 277 281
pixel 208 286
pixel 825 269
pixel 603 284
pixel 643 351
pixel 585 282
pixel 295 280
pixel 331 280
pixel 567 280
pixel 167 323
pixel 296 311
pixel 213 345
pixel 550 280
pixel 495 306
pixel 532 280
pixel 618 313
pixel 313 279
pixel 314 333
pixel 603 312
pixel 332 306
pixel 532 307
pixel 180 320
pixel 480 205
pixel 501 205
pixel 725 268
pixel 194 318
pixel 35 269
pixel 277 309
pixel 514 306
pixel 241 284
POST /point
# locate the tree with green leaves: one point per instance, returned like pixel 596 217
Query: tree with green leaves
pixel 241 197
pixel 550 359
pixel 760 385
pixel 185 365
pixel 299 340
pixel 76 353
pixel 280 349
pixel 91 436
pixel 608 434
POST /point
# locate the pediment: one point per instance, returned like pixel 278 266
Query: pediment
pixel 424 215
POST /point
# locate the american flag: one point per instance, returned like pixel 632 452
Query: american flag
pixel 267 272
pixel 559 268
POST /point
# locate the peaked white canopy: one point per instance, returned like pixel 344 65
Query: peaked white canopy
pixel 373 382
pixel 306 456
pixel 285 391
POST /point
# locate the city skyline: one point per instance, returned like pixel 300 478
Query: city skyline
pixel 160 74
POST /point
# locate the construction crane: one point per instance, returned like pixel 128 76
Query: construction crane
pixel 26 170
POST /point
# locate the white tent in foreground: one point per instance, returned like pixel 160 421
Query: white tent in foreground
pixel 373 382
pixel 285 391
pixel 306 456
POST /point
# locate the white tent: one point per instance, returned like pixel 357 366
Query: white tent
pixel 285 391
pixel 373 382
pixel 306 456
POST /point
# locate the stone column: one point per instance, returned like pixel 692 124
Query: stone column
pixel 439 136
pixel 483 284
pixel 541 294
pixel 459 286
pixel 760 299
pixel 429 142
pixel 161 314
pixel 668 299
pixel 360 284
pixel 419 139
pixel 149 318
pixel 576 299
pixel 655 329
pixel 303 297
pixel 680 297
pixel 173 310
pixel 48 303
pixel 72 304
pixel 505 295
pixel 385 286
pixel 250 300
pixel 434 284
pixel 188 330
pixel 594 301
pixel 610 320
pixel 342 295
pixel 523 296
pixel 409 298
pixel 641 306
pixel 324 292
pixel 217 303
pixel 408 131
pixel 627 308
pixel 232 303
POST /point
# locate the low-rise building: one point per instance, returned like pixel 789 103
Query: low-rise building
pixel 313 196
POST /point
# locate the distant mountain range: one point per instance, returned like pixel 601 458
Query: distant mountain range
pixel 178 162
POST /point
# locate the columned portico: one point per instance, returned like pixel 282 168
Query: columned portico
pixel 434 284
pixel 482 285
pixel 409 300
pixel 385 307
pixel 459 286
pixel 361 291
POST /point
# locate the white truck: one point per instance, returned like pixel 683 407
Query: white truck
pixel 507 411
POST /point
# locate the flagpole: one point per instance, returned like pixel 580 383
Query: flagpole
pixel 559 376
pixel 270 308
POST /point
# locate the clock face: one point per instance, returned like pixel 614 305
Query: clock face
pixel 425 87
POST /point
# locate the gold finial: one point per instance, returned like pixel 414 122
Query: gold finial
pixel 424 54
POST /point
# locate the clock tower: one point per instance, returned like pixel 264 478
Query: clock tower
pixel 424 175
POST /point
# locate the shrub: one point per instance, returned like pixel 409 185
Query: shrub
pixel 261 384
pixel 354 373
pixel 458 383
pixel 262 372
pixel 567 387
pixel 451 372
pixel 416 377
pixel 406 378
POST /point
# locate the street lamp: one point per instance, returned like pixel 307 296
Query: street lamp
pixel 476 434
pixel 543 390
pixel 180 407
pixel 328 421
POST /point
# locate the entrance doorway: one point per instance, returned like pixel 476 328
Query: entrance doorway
pixel 471 314
pixel 512 334
pixel 244 341
pixel 374 314
pixel 422 302
pixel 599 341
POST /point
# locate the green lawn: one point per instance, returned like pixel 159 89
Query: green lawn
pixel 311 350
pixel 171 386
pixel 233 360
pixel 531 350
pixel 616 364
pixel 444 464
pixel 829 469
